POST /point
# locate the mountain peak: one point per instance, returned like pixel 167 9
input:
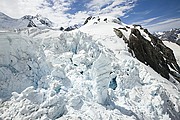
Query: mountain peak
pixel 101 19
pixel 24 22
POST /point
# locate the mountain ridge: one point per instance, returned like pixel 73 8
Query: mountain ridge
pixel 172 35
pixel 24 22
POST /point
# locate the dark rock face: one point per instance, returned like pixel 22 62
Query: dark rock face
pixel 86 21
pixel 120 34
pixel 61 28
pixel 153 53
pixel 147 54
pixel 31 24
pixel 98 19
pixel 70 28
pixel 167 53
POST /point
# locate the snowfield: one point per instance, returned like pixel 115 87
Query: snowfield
pixel 85 74
pixel 175 49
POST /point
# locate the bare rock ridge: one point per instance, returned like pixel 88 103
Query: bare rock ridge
pixel 153 53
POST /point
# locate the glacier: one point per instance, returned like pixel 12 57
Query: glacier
pixel 48 74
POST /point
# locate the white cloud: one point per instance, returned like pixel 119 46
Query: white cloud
pixel 56 10
pixel 164 25
pixel 142 12
pixel 19 8
pixel 110 7
pixel 146 22
pixel 9 7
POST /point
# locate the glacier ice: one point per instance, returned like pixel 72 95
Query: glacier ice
pixel 55 75
pixel 101 74
pixel 21 64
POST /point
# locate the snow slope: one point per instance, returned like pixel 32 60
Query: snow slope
pixel 86 74
pixel 175 48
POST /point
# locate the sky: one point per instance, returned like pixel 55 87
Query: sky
pixel 156 15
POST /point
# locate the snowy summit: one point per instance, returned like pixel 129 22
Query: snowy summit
pixel 102 70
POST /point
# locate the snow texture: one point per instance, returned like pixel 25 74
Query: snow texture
pixel 48 75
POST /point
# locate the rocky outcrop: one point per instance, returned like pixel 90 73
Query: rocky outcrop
pixel 70 28
pixel 146 53
pixel 153 53
pixel 97 19
pixel 86 21
pixel 31 24
pixel 120 34
pixel 167 53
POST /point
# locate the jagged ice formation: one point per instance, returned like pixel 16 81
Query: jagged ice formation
pixel 87 73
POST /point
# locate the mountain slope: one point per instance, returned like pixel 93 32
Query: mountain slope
pixel 92 73
pixel 145 47
pixel 175 49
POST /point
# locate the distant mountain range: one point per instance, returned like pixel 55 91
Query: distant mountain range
pixel 24 22
pixel 172 35
pixel 8 23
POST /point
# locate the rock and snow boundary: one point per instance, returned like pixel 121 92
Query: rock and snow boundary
pixel 84 74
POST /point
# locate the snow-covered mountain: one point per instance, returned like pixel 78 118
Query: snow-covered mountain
pixel 104 70
pixel 8 23
pixel 173 35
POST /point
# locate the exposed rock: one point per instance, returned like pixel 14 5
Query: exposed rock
pixel 105 19
pixel 153 53
pixel 135 26
pixel 147 54
pixel 31 24
pixel 119 19
pixel 167 53
pixel 89 18
pixel 61 28
pixel 70 28
pixel 98 19
pixel 123 28
pixel 120 34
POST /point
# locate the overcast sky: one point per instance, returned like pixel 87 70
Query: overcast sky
pixel 156 15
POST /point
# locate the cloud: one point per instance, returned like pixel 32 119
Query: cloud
pixel 115 8
pixel 159 24
pixel 59 11
pixel 146 22
pixel 142 12
pixel 164 25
